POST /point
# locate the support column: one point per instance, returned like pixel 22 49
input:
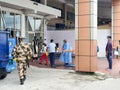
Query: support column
pixel 86 35
pixel 65 13
pixel 45 28
pixel 23 25
pixel 116 22
pixel 45 2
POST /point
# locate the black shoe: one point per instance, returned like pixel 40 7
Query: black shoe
pixel 24 78
pixel 53 66
pixel 46 64
pixel 40 63
pixel 21 81
pixel 65 64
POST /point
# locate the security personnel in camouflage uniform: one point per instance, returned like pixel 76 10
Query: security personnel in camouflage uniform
pixel 20 52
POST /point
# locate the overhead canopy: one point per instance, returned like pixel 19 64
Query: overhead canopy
pixel 31 7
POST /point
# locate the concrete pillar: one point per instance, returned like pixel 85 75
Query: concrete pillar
pixel 116 22
pixel 23 30
pixel 45 28
pixel 65 13
pixel 86 35
pixel 45 2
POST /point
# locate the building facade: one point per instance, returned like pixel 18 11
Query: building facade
pixel 26 17
pixel 30 18
pixel 86 32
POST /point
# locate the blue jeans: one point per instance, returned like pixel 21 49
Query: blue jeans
pixel 109 58
pixel 52 57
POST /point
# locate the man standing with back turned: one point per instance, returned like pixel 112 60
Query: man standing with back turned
pixel 52 54
pixel 109 52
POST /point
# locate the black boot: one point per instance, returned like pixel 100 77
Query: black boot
pixel 21 81
pixel 24 77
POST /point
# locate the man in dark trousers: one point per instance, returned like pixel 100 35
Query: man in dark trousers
pixel 109 52
pixel 52 54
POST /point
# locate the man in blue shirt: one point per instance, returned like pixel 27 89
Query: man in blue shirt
pixel 109 51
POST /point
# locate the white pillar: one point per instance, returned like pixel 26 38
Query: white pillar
pixel 45 29
pixel 45 2
pixel 23 25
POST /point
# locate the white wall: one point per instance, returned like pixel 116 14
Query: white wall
pixel 102 40
pixel 60 35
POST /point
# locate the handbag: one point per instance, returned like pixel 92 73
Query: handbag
pixel 11 66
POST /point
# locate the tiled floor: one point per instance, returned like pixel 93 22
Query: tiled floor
pixel 102 66
pixel 59 65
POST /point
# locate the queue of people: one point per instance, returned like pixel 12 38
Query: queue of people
pixel 48 52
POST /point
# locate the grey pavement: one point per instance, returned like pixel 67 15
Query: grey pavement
pixel 57 79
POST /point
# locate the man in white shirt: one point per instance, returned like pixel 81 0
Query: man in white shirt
pixel 52 54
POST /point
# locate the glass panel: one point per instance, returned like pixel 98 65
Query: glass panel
pixel 14 34
pixel 1 19
pixel 38 35
pixel 70 16
pixel 18 33
pixel 31 37
pixel 17 22
pixel 9 20
pixel 30 23
pixel 37 24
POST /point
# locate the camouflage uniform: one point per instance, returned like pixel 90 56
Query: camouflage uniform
pixel 20 51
